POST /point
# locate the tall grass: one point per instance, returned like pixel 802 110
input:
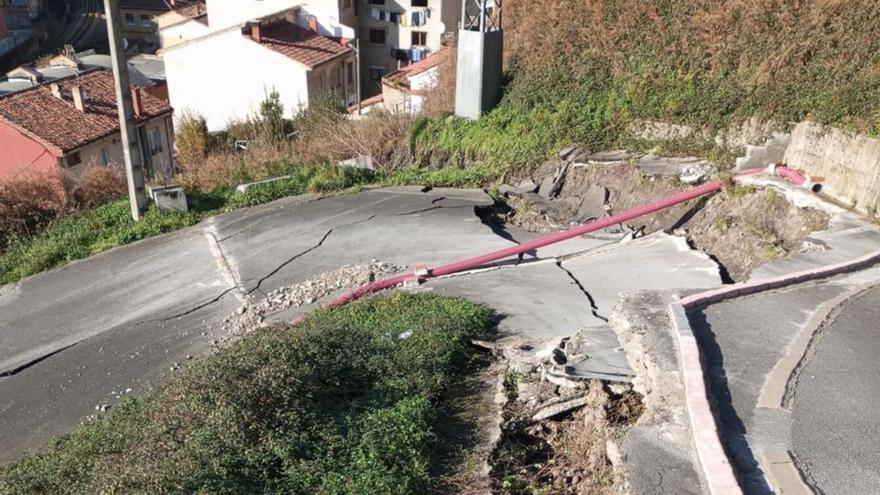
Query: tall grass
pixel 344 403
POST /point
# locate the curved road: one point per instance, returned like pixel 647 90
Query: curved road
pixel 838 394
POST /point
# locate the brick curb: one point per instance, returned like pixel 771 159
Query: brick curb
pixel 714 464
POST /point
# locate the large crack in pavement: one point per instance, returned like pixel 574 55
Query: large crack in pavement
pixel 593 307
pixel 289 261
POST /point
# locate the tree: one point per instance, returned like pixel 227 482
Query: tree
pixel 272 117
pixel 192 138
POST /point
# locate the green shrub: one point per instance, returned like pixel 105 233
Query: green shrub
pixel 191 138
pixel 301 179
pixel 343 403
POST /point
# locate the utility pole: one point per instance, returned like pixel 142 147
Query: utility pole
pixel 357 52
pixel 133 172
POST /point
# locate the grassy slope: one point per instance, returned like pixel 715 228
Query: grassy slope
pixel 707 64
pixel 338 404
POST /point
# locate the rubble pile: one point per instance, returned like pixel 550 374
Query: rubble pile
pixel 562 435
pixel 257 314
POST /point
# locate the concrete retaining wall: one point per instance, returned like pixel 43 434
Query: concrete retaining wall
pixel 849 162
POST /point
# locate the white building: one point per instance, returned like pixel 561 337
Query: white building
pixel 394 34
pixel 390 34
pixel 226 74
pixel 405 90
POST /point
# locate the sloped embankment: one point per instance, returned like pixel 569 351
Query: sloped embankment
pixel 345 402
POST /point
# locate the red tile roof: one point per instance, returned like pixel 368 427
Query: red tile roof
pixel 59 125
pixel 303 45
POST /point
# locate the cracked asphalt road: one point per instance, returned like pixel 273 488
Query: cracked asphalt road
pixel 77 337
pixel 71 337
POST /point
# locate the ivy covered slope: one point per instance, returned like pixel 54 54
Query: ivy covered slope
pixel 584 71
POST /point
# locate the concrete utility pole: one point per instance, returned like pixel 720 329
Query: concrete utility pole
pixel 133 172
pixel 480 55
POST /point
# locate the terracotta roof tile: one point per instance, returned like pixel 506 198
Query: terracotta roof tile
pixel 303 45
pixel 58 124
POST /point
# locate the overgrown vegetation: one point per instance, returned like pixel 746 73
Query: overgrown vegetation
pixel 343 403
pixel 607 64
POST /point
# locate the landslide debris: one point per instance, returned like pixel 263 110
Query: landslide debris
pixel 741 228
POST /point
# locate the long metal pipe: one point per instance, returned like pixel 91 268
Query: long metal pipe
pixel 458 266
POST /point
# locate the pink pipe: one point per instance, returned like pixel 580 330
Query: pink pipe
pixel 791 175
pixel 470 263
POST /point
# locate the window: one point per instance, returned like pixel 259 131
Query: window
pixel 73 159
pixel 129 19
pixel 377 2
pixel 376 73
pixel 155 141
pixel 419 38
pixel 105 157
pixel 419 3
pixel 146 21
pixel 377 36
pixel 346 4
pixel 350 69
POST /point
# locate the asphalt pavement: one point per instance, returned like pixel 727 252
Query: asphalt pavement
pixel 76 339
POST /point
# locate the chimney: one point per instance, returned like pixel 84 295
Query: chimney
pixel 56 90
pixel 137 104
pixel 78 100
pixel 313 23
pixel 256 32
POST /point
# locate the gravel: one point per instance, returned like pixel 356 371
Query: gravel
pixel 254 315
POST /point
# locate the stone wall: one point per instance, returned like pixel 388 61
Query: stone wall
pixel 850 163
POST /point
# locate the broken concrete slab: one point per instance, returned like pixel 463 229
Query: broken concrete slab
pixel 536 301
pixel 607 157
pixel 655 262
pixel 567 152
pixel 593 204
pixel 557 212
pixel 525 186
pixel 560 408
pixel 594 353
pixel 657 452
pixel 772 151
pixel 687 169
pixel 551 185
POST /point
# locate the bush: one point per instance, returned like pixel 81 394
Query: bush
pixel 303 178
pixel 675 61
pixel 272 118
pixel 340 404
pixel 27 204
pixel 191 139
pixel 326 134
pixel 98 185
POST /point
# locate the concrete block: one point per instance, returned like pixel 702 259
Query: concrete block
pixel 169 198
pixel 362 161
pixel 244 187
pixel 773 150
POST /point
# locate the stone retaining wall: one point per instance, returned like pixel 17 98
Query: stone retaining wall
pixel 849 162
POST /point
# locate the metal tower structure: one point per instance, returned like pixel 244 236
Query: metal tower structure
pixel 480 58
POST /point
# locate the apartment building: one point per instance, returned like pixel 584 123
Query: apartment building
pixel 396 33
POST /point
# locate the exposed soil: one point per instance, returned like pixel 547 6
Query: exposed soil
pixel 565 454
pixel 741 228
